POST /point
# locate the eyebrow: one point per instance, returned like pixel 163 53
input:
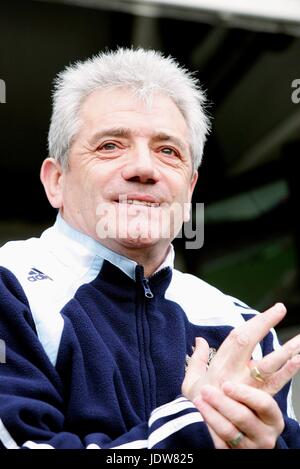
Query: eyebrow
pixel 122 132
pixel 111 132
pixel 163 137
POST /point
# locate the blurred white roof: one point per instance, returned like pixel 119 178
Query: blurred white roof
pixel 260 15
pixel 288 10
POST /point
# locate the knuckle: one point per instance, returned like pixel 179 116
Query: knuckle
pixel 244 416
pixel 229 434
pixel 239 337
pixel 290 350
pixel 241 417
pixel 264 319
pixel 265 405
pixel 232 335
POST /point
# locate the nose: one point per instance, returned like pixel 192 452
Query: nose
pixel 141 166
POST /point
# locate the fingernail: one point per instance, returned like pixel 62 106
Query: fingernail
pixel 280 307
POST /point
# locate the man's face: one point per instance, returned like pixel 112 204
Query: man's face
pixel 130 175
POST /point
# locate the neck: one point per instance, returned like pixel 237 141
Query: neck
pixel 150 257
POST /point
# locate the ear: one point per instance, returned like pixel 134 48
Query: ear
pixel 51 176
pixel 193 182
pixel 187 206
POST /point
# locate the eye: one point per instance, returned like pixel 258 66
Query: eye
pixel 169 151
pixel 108 146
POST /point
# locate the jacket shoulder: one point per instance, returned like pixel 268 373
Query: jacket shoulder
pixel 14 254
pixel 204 303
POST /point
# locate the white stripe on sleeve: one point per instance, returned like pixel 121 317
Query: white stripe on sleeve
pixel 172 427
pixel 33 445
pixel 170 410
pixel 6 439
pixel 137 444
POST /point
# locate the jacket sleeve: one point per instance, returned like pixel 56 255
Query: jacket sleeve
pixel 290 437
pixel 32 409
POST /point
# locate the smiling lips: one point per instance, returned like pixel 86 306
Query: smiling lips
pixel 140 202
pixel 147 201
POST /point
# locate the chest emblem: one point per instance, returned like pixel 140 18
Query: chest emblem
pixel 35 274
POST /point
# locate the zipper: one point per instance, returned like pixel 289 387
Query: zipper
pixel 147 291
pixel 143 336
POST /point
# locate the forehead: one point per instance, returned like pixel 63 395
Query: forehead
pixel 120 106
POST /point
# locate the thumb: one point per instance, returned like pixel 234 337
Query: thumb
pixel 196 367
pixel 198 362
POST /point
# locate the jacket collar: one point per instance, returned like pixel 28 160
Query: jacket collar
pixel 77 249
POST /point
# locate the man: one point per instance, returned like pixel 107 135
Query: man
pixel 97 323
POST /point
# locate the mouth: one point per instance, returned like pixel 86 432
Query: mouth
pixel 144 200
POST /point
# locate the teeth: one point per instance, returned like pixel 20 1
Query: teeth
pixel 139 202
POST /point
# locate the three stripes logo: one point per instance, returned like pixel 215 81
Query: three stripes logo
pixel 35 274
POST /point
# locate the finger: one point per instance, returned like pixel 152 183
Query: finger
pixel 279 379
pixel 292 346
pixel 224 430
pixel 198 361
pixel 242 340
pixel 235 411
pixel 264 406
pixel 259 433
pixel 275 360
pixel 196 368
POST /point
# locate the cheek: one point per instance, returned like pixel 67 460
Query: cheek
pixel 181 188
pixel 76 190
pixel 182 195
pixel 179 179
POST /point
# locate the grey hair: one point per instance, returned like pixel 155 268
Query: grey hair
pixel 145 71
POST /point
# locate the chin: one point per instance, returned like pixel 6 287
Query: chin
pixel 138 242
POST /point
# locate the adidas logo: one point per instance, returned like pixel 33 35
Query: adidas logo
pixel 35 274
